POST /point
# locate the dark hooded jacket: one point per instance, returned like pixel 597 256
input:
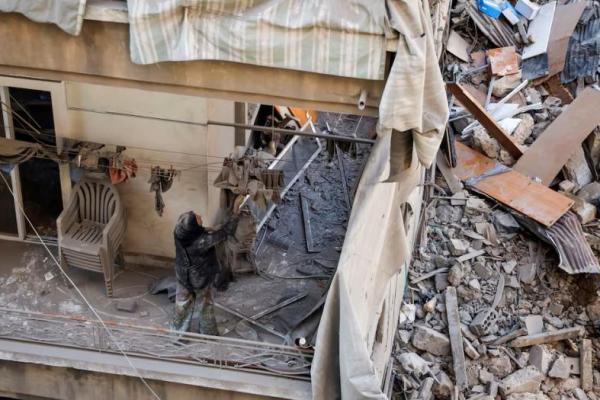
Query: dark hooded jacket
pixel 196 264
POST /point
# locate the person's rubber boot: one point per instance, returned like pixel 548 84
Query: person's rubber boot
pixel 183 318
pixel 208 322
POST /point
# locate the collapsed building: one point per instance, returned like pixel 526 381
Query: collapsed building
pixel 119 116
pixel 502 298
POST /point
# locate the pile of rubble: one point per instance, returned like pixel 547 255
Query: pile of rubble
pixel 503 293
pixel 520 320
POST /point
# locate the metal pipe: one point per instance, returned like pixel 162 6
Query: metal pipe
pixel 362 100
pixel 292 133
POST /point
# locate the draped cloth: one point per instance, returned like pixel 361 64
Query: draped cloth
pixel 66 14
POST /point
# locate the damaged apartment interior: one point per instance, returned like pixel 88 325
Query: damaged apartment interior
pixel 343 199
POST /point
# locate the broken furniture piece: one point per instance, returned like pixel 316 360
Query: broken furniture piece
pixel 91 229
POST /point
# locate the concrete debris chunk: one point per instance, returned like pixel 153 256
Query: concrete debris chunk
pixel 527 272
pixel 431 341
pixel 412 363
pixel 429 307
pixel 458 247
pixel 474 284
pixel 567 186
pixel 590 193
pixel 505 222
pixel 541 358
pixel 443 387
pixel 483 270
pixel 525 380
pixel 426 388
pixel 560 368
pixel 499 365
pixel 577 170
pixel 580 394
pixel 534 324
pixel 455 275
pixel 528 396
pixel 126 305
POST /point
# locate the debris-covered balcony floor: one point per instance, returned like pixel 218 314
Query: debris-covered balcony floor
pixel 259 315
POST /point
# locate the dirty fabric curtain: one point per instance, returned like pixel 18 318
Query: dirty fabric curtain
pixel 67 14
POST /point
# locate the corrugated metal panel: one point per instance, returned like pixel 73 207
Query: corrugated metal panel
pixel 567 238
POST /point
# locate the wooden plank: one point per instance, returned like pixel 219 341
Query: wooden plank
pixel 456 340
pixel 551 151
pixel 486 120
pixel 585 368
pixel 511 187
pixel 452 181
pixel 547 337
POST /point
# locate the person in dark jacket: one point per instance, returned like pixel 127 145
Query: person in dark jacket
pixel 196 270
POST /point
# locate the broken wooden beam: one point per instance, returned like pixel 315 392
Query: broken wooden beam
pixel 485 119
pixel 585 368
pixel 456 339
pixel 547 337
pixel 454 184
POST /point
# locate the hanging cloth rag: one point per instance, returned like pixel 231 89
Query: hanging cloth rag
pixel 121 169
pixel 161 181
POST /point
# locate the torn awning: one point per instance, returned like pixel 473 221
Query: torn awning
pixel 66 14
pixel 343 38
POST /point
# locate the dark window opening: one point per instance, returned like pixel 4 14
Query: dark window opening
pixel 40 178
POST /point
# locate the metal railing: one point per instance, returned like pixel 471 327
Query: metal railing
pixel 156 343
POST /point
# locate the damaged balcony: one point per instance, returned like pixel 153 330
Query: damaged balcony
pixel 268 315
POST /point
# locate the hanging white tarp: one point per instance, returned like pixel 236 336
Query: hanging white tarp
pixel 67 14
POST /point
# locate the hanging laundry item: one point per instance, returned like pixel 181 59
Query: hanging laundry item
pixel 121 169
pixel 245 172
pixel 161 181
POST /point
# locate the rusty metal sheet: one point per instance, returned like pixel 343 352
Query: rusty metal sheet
pixel 503 61
pixel 509 187
pixel 551 151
